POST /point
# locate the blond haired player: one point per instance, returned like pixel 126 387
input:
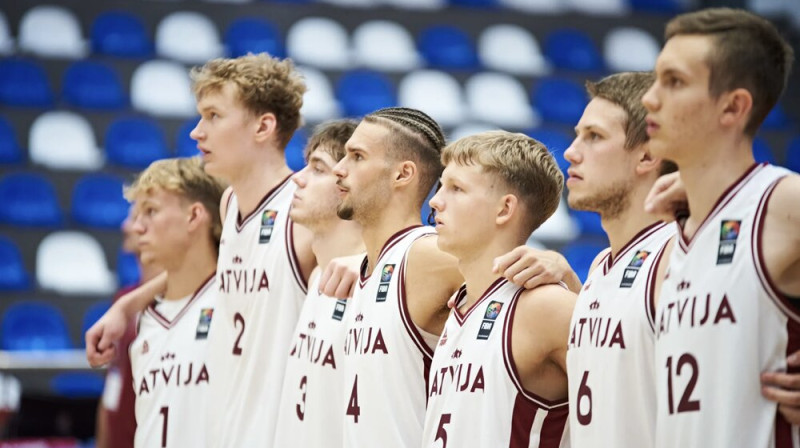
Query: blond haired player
pixel 178 226
pixel 249 108
pixel 312 386
pixel 498 376
pixel 726 311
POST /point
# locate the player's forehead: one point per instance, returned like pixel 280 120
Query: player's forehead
pixel 368 137
pixel 685 55
pixel 463 172
pixel 602 114
pixel 224 96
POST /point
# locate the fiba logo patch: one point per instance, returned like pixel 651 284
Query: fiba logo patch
pixel 204 324
pixel 728 234
pixel 386 278
pixel 630 273
pixel 489 317
pixel 267 224
pixel 338 309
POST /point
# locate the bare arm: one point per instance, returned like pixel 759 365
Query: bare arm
pixel 528 267
pixel 102 336
pixel 432 276
pixel 667 196
pixel 340 276
pixel 539 339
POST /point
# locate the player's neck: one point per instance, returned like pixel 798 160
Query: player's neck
pixel 623 228
pixel 258 178
pixel 198 264
pixel 148 271
pixel 386 223
pixel 710 174
pixel 476 267
pixel 339 240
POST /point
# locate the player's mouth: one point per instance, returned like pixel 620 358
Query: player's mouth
pixel 652 126
pixel 573 177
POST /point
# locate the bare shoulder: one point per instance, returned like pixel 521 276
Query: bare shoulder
pixel 784 197
pixel 432 276
pixel 546 303
pixel 425 259
pixel 781 236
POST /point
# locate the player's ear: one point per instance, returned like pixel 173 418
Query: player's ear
pixel 736 107
pixel 507 207
pixel 196 215
pixel 405 172
pixel 266 127
pixel 645 161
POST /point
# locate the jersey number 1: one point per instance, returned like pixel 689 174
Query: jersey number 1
pixel 164 411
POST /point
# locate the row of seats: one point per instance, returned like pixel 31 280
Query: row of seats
pixel 56 269
pixel 37 325
pixel 326 44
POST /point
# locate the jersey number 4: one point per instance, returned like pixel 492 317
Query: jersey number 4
pixel 352 405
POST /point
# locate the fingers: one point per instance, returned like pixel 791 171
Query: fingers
pixel 503 262
pixel 793 360
pixel 332 282
pixel 790 413
pixel 451 302
pixel 781 396
pixel 345 286
pixel 325 277
pixel 662 184
pixel 790 381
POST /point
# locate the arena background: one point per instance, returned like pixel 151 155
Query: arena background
pixel 92 91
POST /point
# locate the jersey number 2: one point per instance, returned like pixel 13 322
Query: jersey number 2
pixel 686 404
pixel 238 319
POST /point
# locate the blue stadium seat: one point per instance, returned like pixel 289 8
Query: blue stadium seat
pixel 588 222
pixel 121 34
pixel 13 275
pixel 448 47
pixel 135 142
pixel 658 6
pixel 572 49
pixel 28 199
pixel 361 92
pixel 294 150
pixel 10 152
pixel 93 85
pixel 776 119
pixel 475 3
pixel 762 151
pixel 793 155
pixel 78 384
pixel 559 100
pixel 33 325
pixel 92 315
pixel 187 146
pixel 248 35
pixel 580 255
pixel 23 83
pixel 556 141
pixel 127 269
pixel 97 201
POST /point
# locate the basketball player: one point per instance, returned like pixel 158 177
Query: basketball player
pixel 726 312
pixel 116 421
pixel 312 386
pixel 611 377
pixel 249 108
pixel 498 376
pixel 179 228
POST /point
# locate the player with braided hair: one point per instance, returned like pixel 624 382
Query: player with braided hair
pixel 399 307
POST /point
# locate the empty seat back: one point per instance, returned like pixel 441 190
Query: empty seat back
pixel 34 326
pixel 51 32
pixel 29 200
pixel 188 37
pixel 97 201
pixel 72 262
pixel 62 140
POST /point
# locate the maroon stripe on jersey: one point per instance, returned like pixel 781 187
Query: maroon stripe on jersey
pixel 635 241
pixel 293 261
pixel 553 428
pixel 241 222
pixel 166 323
pixel 363 275
pixel 784 429
pixel 783 303
pixel 411 327
pixel 427 361
pixel 521 422
pixel 686 243
pixel 497 284
pixel 390 243
pixel 511 366
pixel 650 288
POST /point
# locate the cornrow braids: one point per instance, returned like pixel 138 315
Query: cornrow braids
pixel 414 136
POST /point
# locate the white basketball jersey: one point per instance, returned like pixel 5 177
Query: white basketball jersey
pixel 612 396
pixel 475 396
pixel 312 387
pixel 720 323
pixel 386 358
pixel 170 373
pixel 261 292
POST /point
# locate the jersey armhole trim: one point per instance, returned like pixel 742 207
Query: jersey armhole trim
pixel 757 251
pixel 511 367
pixel 650 287
pixel 293 260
